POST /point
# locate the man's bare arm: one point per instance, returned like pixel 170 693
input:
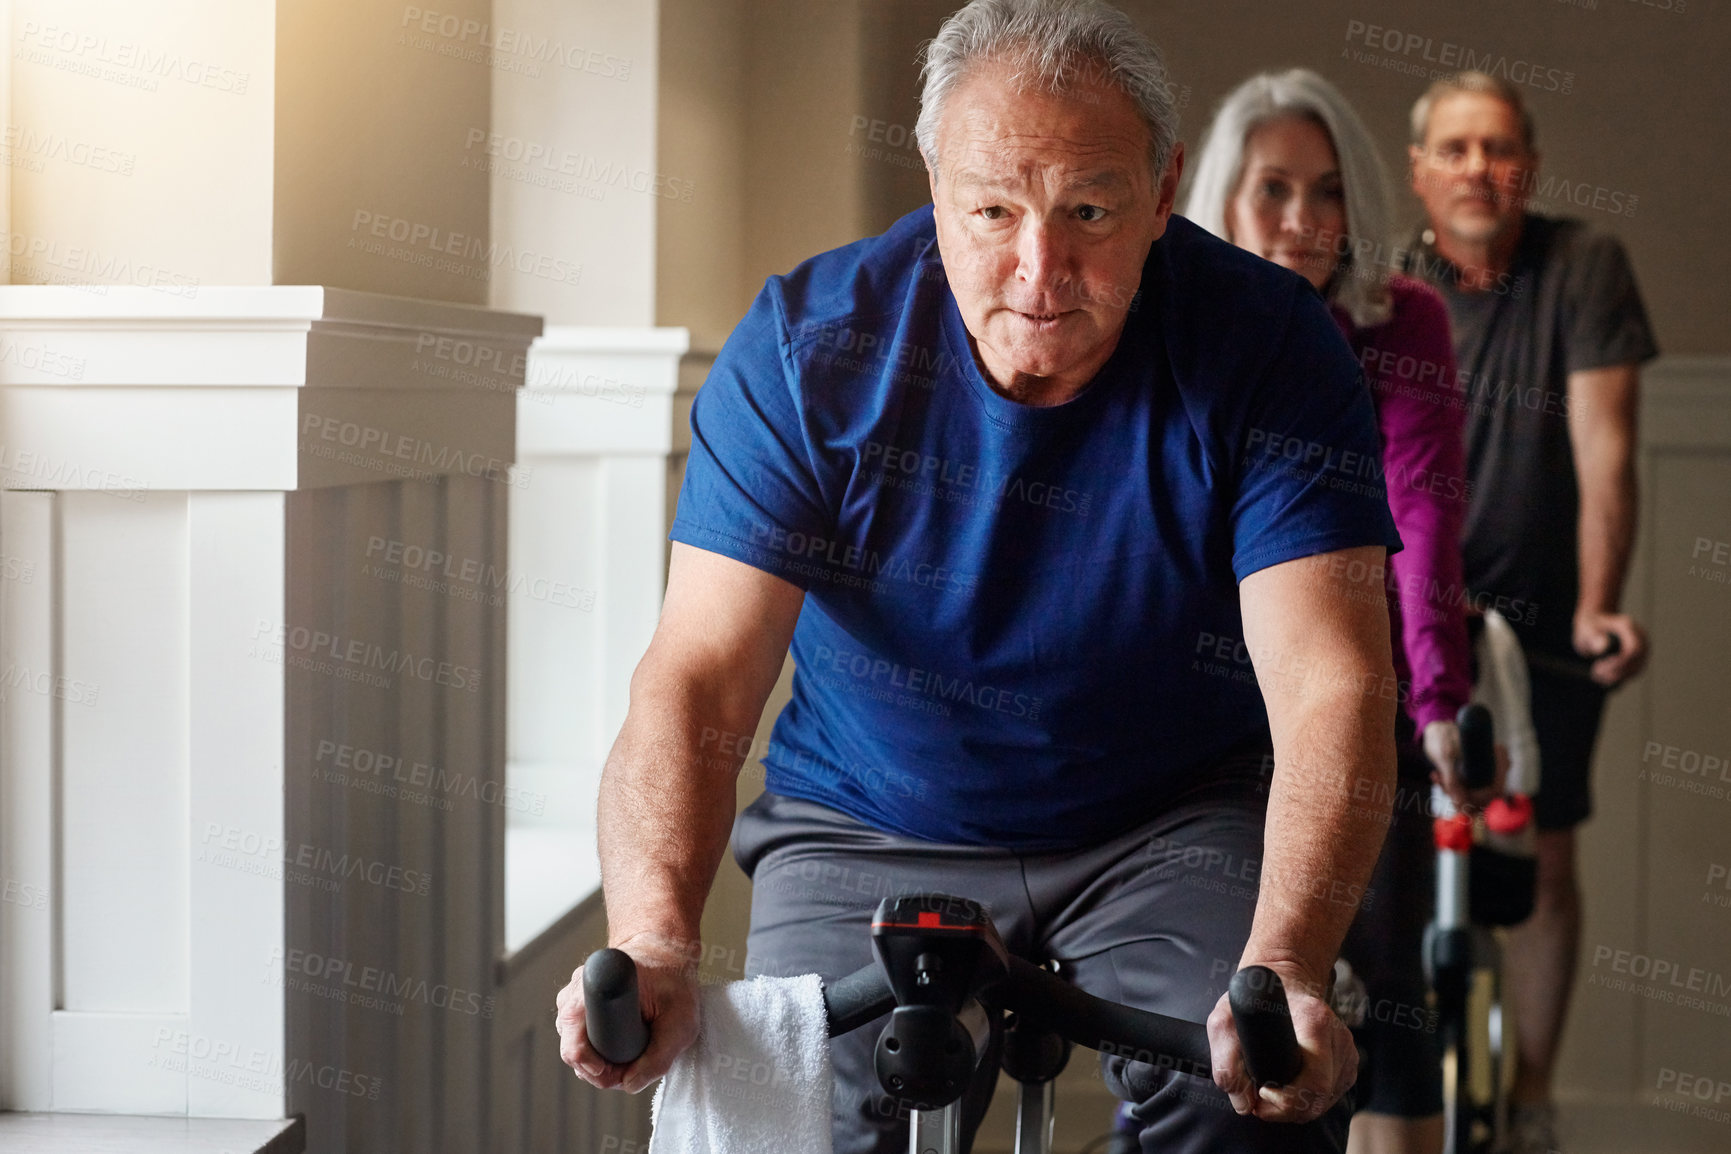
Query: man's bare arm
pixel 1320 645
pixel 1317 631
pixel 1603 404
pixel 667 792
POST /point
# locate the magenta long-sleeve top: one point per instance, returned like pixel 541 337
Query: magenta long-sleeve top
pixel 1409 365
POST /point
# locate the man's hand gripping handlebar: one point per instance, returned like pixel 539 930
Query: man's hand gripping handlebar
pixel 611 1033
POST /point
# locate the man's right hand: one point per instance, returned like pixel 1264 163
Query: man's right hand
pixel 667 991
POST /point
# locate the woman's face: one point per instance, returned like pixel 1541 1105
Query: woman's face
pixel 1289 206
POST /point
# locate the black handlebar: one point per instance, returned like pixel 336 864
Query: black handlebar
pixel 1264 1022
pixel 1047 1001
pixel 616 1026
pixel 1578 666
pixel 1478 746
pixel 861 997
pixel 617 1030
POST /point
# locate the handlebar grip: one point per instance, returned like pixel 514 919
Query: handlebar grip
pixel 615 1017
pixel 1478 746
pixel 857 999
pixel 1264 1023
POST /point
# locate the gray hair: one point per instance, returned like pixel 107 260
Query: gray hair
pixel 1052 45
pixel 1483 82
pixel 1359 286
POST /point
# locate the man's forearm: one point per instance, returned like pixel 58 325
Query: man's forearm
pixel 1603 407
pixel 1607 534
pixel 665 812
pixel 1328 811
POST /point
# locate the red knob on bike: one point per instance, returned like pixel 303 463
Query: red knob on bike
pixel 1453 833
pixel 1509 815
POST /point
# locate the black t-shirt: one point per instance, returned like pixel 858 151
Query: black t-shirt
pixel 1568 302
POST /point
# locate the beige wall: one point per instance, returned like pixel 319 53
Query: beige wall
pixel 803 194
pixel 371 188
pixel 758 96
pixel 700 277
pixel 575 177
pixel 139 142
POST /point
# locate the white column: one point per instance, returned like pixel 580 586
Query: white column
pixel 161 710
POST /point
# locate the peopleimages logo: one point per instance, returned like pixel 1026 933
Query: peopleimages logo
pixel 342 980
pixel 911 679
pixel 26 144
pixel 1660 979
pixel 135 65
pixel 467 577
pixel 522 159
pixel 416 781
pixel 461 253
pixel 1410 52
pixel 354 659
pixel 232 847
pixel 251 1067
pixel 401 454
pixel 511 49
pixel 837 561
pixel 38 257
pixel 966 481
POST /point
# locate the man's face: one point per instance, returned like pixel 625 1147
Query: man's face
pixel 1472 171
pixel 1046 207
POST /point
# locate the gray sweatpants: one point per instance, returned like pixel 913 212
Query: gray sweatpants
pixel 1156 917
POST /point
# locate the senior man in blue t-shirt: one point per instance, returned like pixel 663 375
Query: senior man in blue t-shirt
pixel 1070 512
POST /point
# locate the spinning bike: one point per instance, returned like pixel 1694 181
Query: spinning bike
pixel 949 986
pixel 1483 882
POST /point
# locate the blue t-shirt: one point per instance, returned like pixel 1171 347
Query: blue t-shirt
pixel 1021 624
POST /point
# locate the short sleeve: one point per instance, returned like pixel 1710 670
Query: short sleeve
pixel 1309 471
pixel 1606 321
pixel 750 489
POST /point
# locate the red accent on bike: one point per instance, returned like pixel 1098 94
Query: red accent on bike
pixel 1453 833
pixel 1509 814
pixel 935 923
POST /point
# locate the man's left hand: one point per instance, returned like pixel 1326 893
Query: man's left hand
pixel 1593 631
pixel 1330 1056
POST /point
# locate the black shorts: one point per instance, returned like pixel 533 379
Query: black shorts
pixel 1566 714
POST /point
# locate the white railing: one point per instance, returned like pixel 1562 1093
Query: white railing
pixel 200 626
pixel 264 849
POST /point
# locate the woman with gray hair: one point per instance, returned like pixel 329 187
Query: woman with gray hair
pixel 1288 171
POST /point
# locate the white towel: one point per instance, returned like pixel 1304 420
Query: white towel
pixel 1503 689
pixel 757 1080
